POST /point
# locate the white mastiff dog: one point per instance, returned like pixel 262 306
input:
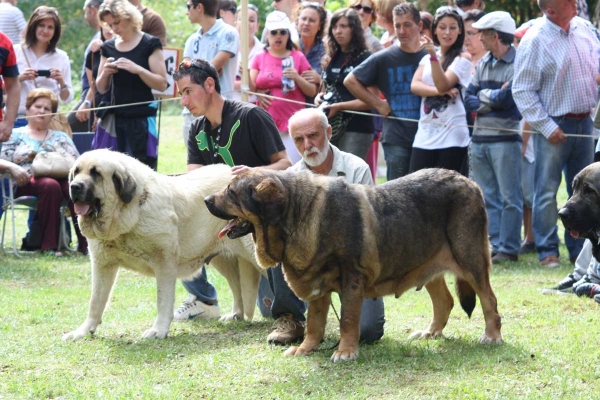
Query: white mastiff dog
pixel 157 225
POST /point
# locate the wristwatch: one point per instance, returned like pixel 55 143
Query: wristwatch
pixel 87 103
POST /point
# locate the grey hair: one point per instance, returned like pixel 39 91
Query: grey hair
pixel 311 112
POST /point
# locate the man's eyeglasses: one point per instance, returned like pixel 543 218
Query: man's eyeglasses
pixel 282 32
pixel 359 7
pixel 472 33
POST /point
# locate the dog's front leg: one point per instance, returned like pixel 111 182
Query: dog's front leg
pixel 352 299
pixel 103 279
pixel 315 327
pixel 166 279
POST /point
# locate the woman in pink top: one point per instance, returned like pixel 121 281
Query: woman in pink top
pixel 277 71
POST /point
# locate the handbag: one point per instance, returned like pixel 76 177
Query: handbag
pixel 52 163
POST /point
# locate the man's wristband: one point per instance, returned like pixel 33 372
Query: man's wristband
pixel 433 58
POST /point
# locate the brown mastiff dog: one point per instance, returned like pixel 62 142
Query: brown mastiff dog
pixel 581 214
pixel 366 242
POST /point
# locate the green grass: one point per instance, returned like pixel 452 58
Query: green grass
pixel 550 349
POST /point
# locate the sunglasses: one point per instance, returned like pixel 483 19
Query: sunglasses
pixel 367 10
pixel 198 64
pixel 282 32
pixel 189 5
pixel 233 10
pixel 276 1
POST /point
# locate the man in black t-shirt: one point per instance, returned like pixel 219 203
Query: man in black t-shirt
pixel 240 135
pixel 391 71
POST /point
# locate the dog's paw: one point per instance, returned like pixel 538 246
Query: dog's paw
pixel 485 339
pixel 425 335
pixel 74 335
pixel 296 351
pixel 154 333
pixel 231 317
pixel 344 356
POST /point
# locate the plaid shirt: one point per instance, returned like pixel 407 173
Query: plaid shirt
pixel 555 72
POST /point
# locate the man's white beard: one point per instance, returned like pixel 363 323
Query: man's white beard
pixel 317 160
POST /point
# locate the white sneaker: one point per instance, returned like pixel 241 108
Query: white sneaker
pixel 192 308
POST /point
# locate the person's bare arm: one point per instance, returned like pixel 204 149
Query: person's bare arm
pixel 370 96
pixel 278 161
pixel 13 93
pixel 220 60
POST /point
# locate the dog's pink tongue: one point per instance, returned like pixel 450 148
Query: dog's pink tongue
pixel 224 231
pixel 81 208
pixel 575 234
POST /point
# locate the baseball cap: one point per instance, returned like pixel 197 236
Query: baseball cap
pixel 277 20
pixel 500 21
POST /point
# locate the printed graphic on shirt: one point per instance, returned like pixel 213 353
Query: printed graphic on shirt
pixel 202 140
pixel 404 103
pixel 435 105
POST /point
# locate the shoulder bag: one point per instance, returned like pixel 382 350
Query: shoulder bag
pixel 52 163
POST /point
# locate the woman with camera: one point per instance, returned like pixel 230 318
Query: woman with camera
pixel 346 50
pixel 41 63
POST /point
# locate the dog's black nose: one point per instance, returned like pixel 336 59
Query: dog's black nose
pixel 209 201
pixel 76 187
pixel 563 213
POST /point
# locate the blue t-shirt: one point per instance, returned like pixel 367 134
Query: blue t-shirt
pixel 392 70
pixel 205 46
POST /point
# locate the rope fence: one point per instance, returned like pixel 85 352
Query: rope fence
pixel 368 114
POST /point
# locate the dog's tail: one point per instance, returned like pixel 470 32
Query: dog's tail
pixel 466 295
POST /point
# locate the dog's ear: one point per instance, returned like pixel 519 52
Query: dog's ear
pixel 271 200
pixel 125 185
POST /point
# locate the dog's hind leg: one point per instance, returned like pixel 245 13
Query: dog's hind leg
pixel 228 266
pixel 103 280
pixel 443 303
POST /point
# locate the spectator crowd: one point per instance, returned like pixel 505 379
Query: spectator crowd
pixel 510 107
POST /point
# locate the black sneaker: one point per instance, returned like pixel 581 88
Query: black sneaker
pixel 584 279
pixel 563 287
pixel 587 289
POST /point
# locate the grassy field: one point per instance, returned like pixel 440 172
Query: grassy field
pixel 550 350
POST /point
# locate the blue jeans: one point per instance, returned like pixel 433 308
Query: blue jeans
pixel 284 300
pixel 496 167
pixel 550 160
pixel 397 159
pixel 200 287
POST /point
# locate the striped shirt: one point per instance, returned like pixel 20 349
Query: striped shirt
pixel 12 22
pixel 555 73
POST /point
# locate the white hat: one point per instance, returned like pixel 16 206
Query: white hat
pixel 500 21
pixel 277 20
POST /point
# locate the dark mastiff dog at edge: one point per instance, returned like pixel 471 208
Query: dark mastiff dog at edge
pixel 581 213
pixel 366 242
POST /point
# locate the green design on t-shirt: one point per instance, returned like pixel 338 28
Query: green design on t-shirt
pixel 202 140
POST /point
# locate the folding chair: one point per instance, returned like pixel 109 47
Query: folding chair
pixel 10 204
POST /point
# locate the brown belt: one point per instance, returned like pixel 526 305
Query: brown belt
pixel 577 116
